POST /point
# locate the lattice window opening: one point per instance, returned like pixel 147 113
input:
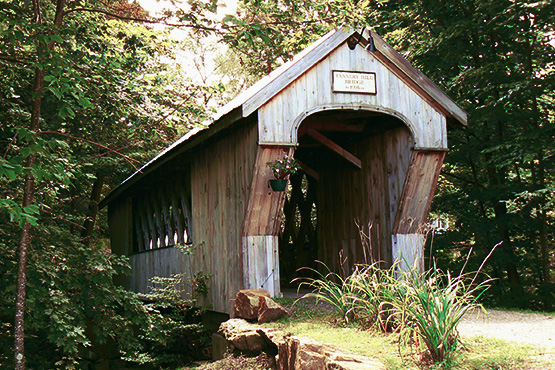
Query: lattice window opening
pixel 303 197
pixel 161 222
pixel 298 245
pixel 298 224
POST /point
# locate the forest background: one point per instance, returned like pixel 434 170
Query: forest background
pixel 89 90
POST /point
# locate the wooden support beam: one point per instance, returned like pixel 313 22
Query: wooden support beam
pixel 309 171
pixel 333 146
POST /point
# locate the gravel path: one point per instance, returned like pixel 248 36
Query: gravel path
pixel 521 328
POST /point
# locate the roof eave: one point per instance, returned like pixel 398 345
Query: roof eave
pixel 448 105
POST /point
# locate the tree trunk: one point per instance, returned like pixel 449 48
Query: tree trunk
pixel 29 192
pixel 96 192
pixel 28 197
pixel 545 261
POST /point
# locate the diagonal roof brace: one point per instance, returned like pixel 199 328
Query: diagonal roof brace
pixel 333 146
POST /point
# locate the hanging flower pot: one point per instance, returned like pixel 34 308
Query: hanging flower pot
pixel 282 168
pixel 278 184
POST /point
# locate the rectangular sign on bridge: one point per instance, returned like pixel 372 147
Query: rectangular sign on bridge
pixel 354 82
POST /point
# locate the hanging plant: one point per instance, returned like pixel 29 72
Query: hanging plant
pixel 283 167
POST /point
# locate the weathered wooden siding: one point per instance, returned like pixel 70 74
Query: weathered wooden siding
pixel 419 189
pixel 408 234
pixel 371 194
pixel 220 180
pixel 261 225
pixel 221 176
pixel 312 92
pixel 163 262
pixel 261 263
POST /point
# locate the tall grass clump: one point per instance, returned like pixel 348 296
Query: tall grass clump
pixel 433 305
pixel 332 289
pixel 424 309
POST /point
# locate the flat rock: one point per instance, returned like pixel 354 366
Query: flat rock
pixel 243 336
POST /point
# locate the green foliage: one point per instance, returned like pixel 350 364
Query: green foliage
pixel 109 98
pixel 176 336
pixel 479 353
pixel 431 306
pixel 332 289
pixel 265 34
pixel 283 167
pixel 494 59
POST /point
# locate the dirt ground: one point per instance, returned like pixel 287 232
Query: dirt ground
pixel 535 329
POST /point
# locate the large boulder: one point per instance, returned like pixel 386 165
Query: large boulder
pixel 300 353
pixel 257 304
pixel 246 337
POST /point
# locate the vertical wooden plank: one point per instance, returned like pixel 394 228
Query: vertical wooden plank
pixel 408 251
pixel 151 224
pixel 158 219
pixel 138 232
pixel 221 178
pixel 120 218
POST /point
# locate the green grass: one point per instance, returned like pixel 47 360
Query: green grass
pixel 479 353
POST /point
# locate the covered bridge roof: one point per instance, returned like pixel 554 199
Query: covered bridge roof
pixel 265 89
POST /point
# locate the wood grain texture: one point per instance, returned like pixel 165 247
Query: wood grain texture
pixel 312 92
pixel 408 251
pixel 163 262
pixel 221 176
pixel 261 225
pixel 420 83
pixel 333 146
pixel 261 263
pixel 213 194
pixel 265 206
pixel 120 221
pixel 418 191
pixel 347 196
pixel 294 70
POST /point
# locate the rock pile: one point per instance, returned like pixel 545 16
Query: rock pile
pixel 292 352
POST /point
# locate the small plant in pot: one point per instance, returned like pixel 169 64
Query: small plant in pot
pixel 282 168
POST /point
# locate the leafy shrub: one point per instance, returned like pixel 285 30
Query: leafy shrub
pixel 176 336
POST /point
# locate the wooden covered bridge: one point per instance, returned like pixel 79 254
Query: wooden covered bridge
pixel 371 133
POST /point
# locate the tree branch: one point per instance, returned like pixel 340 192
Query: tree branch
pixel 128 159
pixel 13 59
pixel 61 218
pixel 463 179
pixel 142 20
